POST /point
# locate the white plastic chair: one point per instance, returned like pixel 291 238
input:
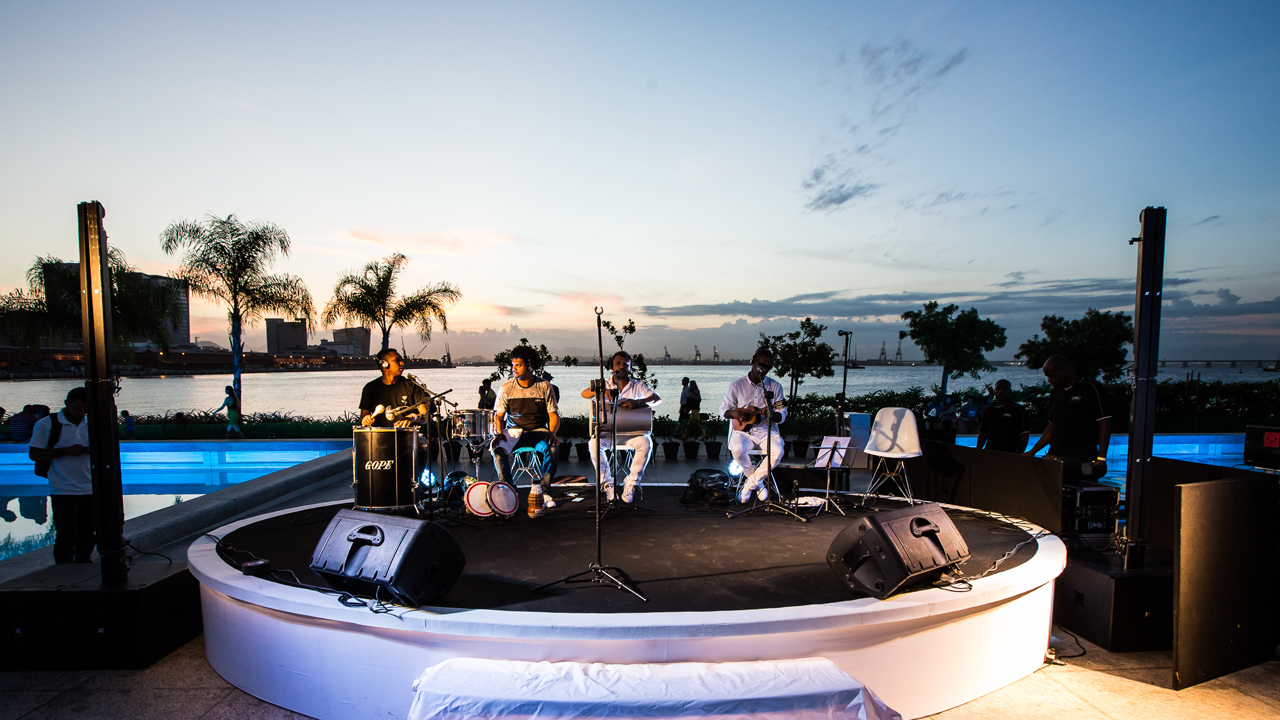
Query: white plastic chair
pixel 894 438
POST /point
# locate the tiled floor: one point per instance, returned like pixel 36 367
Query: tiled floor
pixel 1098 686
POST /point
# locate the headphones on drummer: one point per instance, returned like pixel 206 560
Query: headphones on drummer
pixel 382 358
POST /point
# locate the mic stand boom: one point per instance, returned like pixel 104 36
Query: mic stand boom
pixel 598 572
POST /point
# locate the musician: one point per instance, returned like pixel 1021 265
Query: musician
pixel 392 390
pixel 526 415
pixel 745 402
pixel 629 394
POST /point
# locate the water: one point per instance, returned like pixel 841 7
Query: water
pixel 155 475
pixel 332 394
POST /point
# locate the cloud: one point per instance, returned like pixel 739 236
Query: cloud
pixel 1212 219
pixel 1068 298
pixel 894 77
pixel 454 241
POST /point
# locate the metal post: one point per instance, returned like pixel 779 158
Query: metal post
pixel 1146 342
pixel 104 443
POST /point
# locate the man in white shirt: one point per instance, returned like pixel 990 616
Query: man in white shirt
pixel 70 480
pixel 630 395
pixel 745 404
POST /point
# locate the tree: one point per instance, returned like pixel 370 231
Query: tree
pixel 226 260
pixel 568 361
pixel 800 354
pixel 503 360
pixel 639 366
pixel 369 298
pixel 955 340
pixel 1095 343
pixel 141 309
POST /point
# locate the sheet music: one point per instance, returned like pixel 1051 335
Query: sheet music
pixel 832 451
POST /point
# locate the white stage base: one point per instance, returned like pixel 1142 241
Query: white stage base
pixel 921 653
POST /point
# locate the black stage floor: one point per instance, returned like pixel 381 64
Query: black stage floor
pixel 682 560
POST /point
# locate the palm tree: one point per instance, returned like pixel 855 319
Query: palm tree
pixel 49 309
pixel 227 260
pixel 369 298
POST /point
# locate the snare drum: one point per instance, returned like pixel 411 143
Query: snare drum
pixel 473 425
pixel 385 468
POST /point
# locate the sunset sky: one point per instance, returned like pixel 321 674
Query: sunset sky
pixel 709 169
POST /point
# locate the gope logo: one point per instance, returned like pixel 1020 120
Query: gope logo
pixel 379 464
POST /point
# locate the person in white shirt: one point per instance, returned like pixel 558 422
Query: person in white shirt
pixel 745 404
pixel 70 479
pixel 631 394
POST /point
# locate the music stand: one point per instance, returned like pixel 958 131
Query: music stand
pixel 833 452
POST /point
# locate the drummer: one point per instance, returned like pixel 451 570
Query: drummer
pixel 631 394
pixel 392 391
pixel 526 415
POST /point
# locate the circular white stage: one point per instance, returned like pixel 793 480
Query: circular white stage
pixel 921 652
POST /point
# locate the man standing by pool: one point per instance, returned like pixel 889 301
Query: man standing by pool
pixel 392 391
pixel 526 415
pixel 1004 424
pixel 1079 430
pixel 65 449
pixel 755 405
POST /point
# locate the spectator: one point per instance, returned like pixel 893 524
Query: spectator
pixel 127 421
pixel 1004 424
pixel 694 404
pixel 487 395
pixel 22 423
pixel 555 389
pixel 970 415
pixel 66 449
pixel 684 399
pixel 232 404
pixel 1079 430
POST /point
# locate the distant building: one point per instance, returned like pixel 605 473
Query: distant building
pixel 357 338
pixel 286 336
pixel 179 326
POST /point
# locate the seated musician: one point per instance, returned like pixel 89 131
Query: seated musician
pixel 745 406
pixel 393 392
pixel 526 415
pixel 631 395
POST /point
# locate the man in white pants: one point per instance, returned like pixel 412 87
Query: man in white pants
pixel 631 395
pixel 745 405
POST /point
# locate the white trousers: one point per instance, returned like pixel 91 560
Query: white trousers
pixel 741 445
pixel 643 446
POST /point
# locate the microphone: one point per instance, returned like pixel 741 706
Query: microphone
pixel 843 333
pixel 377 409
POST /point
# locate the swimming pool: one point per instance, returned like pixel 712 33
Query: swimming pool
pixel 155 474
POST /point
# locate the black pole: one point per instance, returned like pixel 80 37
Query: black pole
pixel 104 443
pixel 841 421
pixel 1146 342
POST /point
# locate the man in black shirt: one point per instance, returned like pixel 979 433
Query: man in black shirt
pixel 1079 430
pixel 1004 425
pixel 526 415
pixel 392 391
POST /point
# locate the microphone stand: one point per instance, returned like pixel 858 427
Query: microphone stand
pixel 770 505
pixel 842 427
pixel 598 572
pixel 434 401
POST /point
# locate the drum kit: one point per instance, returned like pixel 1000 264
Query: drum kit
pixel 391 470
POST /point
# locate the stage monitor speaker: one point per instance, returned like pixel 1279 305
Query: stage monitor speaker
pixel 881 553
pixel 384 556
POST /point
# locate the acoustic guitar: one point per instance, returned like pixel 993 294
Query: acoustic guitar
pixel 751 416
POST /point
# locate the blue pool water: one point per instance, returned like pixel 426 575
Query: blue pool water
pixel 155 474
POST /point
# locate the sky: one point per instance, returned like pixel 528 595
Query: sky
pixel 710 170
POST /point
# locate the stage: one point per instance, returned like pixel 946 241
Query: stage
pixel 748 589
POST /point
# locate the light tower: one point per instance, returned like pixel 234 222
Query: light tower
pixel 897 357
pixel 697 355
pixel 715 354
pixel 884 357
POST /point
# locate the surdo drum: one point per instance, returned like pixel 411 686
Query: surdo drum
pixel 386 464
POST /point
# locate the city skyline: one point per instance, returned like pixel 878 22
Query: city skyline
pixel 712 171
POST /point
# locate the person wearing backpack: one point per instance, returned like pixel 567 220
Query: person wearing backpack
pixel 60 448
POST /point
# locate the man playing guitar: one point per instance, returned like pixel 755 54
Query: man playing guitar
pixel 745 404
pixel 631 396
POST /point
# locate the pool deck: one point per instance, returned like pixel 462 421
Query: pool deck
pixel 1099 685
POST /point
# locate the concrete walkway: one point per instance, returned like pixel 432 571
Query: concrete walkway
pixel 1099 685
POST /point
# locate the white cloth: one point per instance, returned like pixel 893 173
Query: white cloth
pixel 807 688
pixel 641 444
pixel 69 474
pixel 741 445
pixel 635 390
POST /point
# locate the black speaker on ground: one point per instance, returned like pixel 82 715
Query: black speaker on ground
pixel 881 553
pixel 384 556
